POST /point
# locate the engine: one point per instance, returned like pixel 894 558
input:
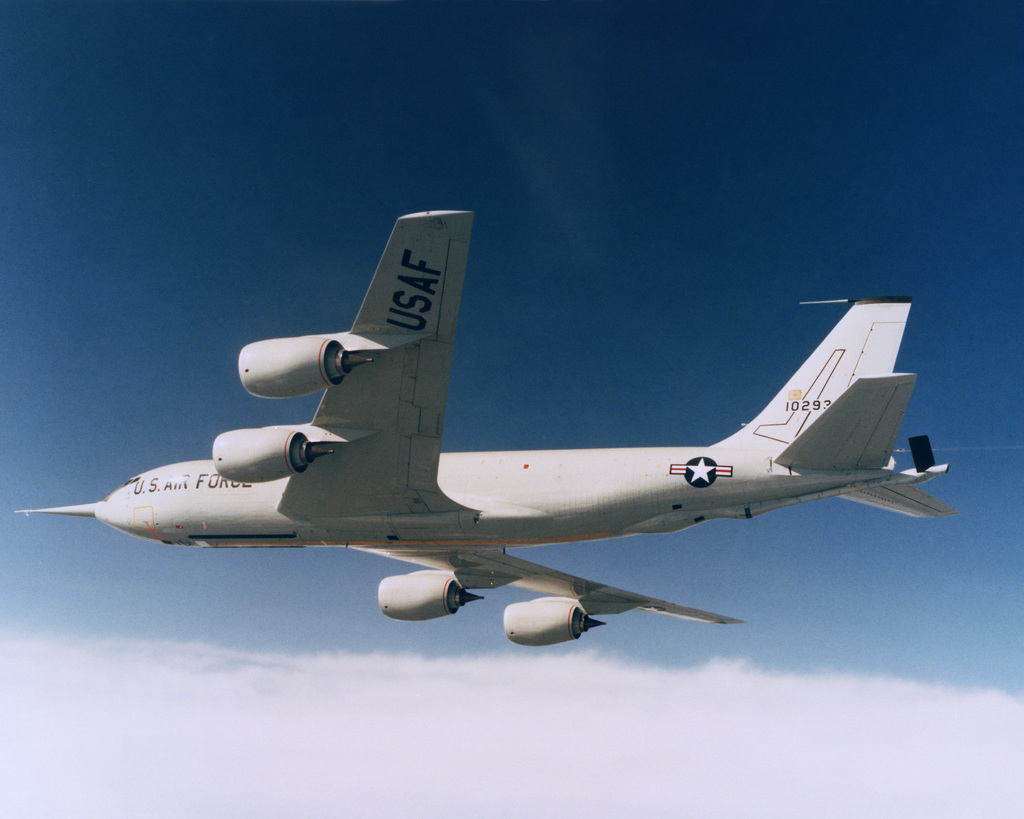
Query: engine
pixel 547 621
pixel 289 367
pixel 422 595
pixel 257 455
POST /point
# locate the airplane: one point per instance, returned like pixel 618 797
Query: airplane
pixel 368 472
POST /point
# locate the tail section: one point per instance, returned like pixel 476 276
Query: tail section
pixel 864 343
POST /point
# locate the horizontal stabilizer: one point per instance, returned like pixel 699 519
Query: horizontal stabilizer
pixel 859 429
pixel 907 500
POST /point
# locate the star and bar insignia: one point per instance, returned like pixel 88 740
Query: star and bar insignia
pixel 700 472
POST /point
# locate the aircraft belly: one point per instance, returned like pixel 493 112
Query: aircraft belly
pixel 469 532
pixel 225 519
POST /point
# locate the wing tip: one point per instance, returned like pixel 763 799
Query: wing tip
pixel 435 214
pixel 457 223
pixel 872 300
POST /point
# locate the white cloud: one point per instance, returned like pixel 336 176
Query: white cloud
pixel 125 729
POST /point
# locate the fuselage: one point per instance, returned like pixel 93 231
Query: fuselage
pixel 518 498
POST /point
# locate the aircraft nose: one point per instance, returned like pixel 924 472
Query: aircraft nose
pixel 113 511
pixel 102 511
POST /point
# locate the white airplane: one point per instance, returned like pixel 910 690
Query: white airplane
pixel 368 471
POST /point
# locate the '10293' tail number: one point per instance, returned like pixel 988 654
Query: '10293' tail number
pixel 798 406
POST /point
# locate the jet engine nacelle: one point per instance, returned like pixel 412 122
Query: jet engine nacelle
pixel 289 367
pixel 257 455
pixel 547 621
pixel 422 595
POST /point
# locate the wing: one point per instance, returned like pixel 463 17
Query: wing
pixel 908 500
pixel 490 569
pixel 391 409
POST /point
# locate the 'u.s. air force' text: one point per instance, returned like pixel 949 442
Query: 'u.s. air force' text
pixel 174 482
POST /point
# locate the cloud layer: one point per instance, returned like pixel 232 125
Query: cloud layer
pixel 124 729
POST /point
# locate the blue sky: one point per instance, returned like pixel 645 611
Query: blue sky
pixel 656 189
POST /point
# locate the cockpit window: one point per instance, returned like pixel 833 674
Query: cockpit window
pixel 128 482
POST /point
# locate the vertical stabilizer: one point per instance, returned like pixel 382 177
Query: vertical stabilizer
pixel 864 343
pixel 921 451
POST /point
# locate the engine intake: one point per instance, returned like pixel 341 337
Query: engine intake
pixel 547 621
pixel 422 595
pixel 258 455
pixel 289 367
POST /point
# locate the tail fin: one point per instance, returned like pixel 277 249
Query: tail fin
pixel 864 343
